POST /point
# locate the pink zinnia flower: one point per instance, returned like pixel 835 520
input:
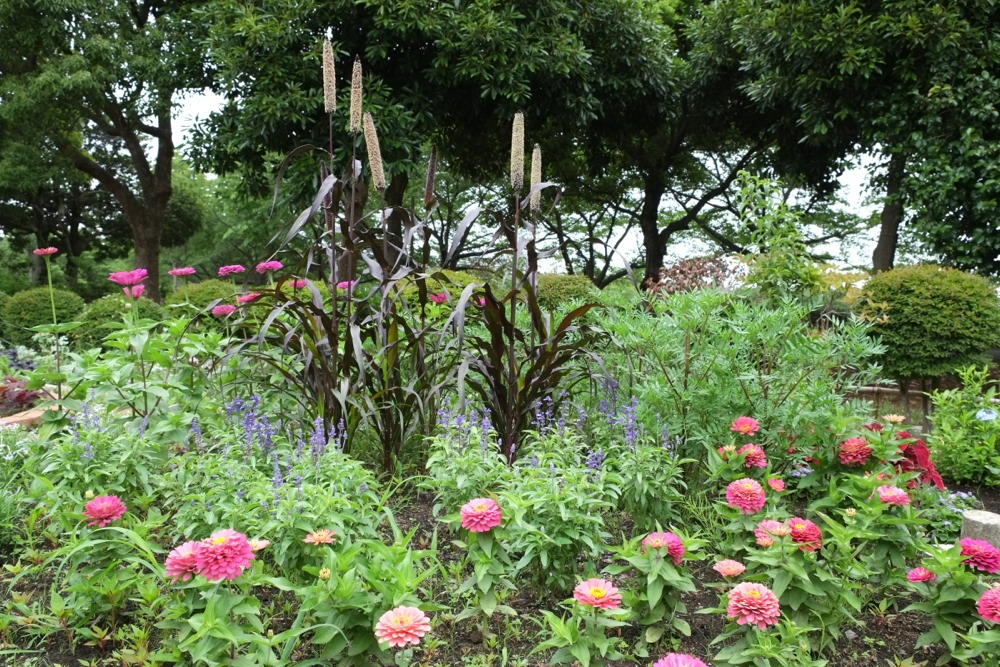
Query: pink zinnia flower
pixel 183 271
pixel 481 515
pixel 673 544
pixel 182 562
pixel 321 536
pixel 481 301
pixel 346 284
pixel 224 310
pixel 894 419
pixel 224 555
pixel 298 283
pixel 747 495
pixel 755 456
pixel 893 495
pixel 753 604
pixel 981 555
pixel 129 278
pixel 402 626
pixel 855 452
pixel 776 484
pixel 438 298
pixel 102 510
pixel 679 660
pixel 745 425
pixel 920 574
pixel 257 545
pixel 768 529
pixel 270 265
pixel 45 252
pixel 729 568
pixel 597 593
pixel 134 292
pixel 989 605
pixel 248 298
pixel 230 269
pixel 807 534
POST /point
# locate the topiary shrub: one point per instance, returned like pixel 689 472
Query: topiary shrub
pixel 932 320
pixel 111 309
pixel 455 283
pixel 32 307
pixel 558 289
pixel 199 295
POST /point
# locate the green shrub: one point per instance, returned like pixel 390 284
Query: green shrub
pixel 199 295
pixel 32 307
pixel 965 441
pixel 455 283
pixel 558 289
pixel 932 320
pixel 111 309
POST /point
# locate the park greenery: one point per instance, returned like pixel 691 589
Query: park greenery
pixel 402 356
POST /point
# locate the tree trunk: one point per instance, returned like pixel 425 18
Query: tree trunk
pixel 649 222
pixel 147 228
pixel 884 256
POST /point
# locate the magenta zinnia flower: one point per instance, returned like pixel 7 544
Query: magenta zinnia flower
pixel 893 495
pixel 729 568
pixel 753 604
pixel 920 574
pixel 134 292
pixel 855 452
pixel 102 510
pixel 481 515
pixel 248 298
pixel 183 271
pixel 597 593
pixel 44 252
pixel 270 265
pixel 745 425
pixel 321 536
pixel 402 626
pixel 129 278
pixel 671 542
pixel 981 555
pixel 346 284
pixel 438 298
pixel 679 660
pixel 989 605
pixel 756 458
pixel 182 562
pixel 747 495
pixel 224 555
pixel 230 269
pixel 224 310
pixel 298 283
pixel 807 534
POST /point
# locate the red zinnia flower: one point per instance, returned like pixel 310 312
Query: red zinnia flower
pixel 806 534
pixel 989 605
pixel 855 452
pixel 981 555
pixel 102 510
pixel 755 456
pixel 920 574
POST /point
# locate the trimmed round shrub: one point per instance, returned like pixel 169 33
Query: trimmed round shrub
pixel 112 308
pixel 558 289
pixel 32 307
pixel 932 320
pixel 199 295
pixel 455 283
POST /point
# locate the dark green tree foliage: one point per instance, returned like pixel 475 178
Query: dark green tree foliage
pixel 932 320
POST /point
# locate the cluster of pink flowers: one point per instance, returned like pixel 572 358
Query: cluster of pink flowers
pixel 806 534
pixel 679 660
pixel 597 593
pixel 893 495
pixel 729 568
pixel 747 495
pixel 481 515
pixel 402 626
pixel 981 555
pixel 669 541
pixel 755 456
pixel 231 269
pixel 224 555
pixel 745 425
pixel 768 529
pixel 753 604
pixel 131 282
pixel 102 510
pixel 855 452
pixel 919 574
pixel 989 605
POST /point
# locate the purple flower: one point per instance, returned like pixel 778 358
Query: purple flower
pixel 595 460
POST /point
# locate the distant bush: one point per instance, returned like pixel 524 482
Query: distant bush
pixel 558 289
pixel 199 295
pixel 32 307
pixel 455 282
pixel 965 441
pixel 932 320
pixel 111 308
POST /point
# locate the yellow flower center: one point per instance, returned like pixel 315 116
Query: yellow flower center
pixel 748 486
pixel 597 592
pixel 402 620
pixel 800 526
pixel 657 542
pixel 754 594
pixel 219 540
pixel 480 507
